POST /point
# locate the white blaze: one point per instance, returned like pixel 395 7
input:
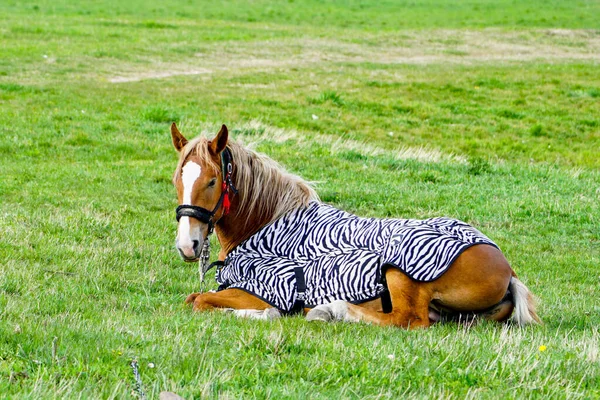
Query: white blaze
pixel 189 174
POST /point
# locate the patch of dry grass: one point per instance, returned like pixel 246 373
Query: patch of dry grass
pixel 466 47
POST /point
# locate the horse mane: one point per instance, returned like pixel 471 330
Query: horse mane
pixel 266 191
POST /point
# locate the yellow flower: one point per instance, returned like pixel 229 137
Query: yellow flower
pixel 542 348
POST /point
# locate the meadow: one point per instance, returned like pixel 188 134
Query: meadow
pixel 486 111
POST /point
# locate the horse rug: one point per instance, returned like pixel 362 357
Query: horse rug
pixel 341 255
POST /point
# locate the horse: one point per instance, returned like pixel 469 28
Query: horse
pixel 240 194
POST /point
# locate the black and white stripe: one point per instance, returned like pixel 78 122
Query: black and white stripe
pixel 342 255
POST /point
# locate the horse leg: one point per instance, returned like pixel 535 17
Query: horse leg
pixel 237 301
pixel 477 280
pixel 499 313
pixel 410 305
pixel 477 283
pixel 266 314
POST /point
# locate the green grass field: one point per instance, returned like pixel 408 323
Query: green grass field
pixel 486 111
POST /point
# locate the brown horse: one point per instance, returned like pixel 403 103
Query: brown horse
pixel 237 191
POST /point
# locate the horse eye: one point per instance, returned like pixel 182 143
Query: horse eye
pixel 212 182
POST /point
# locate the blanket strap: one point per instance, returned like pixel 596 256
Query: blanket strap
pixel 300 291
pixel 386 299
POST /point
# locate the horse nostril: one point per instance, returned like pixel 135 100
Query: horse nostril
pixel 195 244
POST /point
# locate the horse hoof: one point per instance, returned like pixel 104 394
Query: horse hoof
pixel 190 299
pixel 272 313
pixel 318 315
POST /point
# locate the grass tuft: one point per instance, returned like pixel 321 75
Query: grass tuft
pixel 329 96
pixel 157 25
pixel 537 130
pixel 479 166
pixel 161 114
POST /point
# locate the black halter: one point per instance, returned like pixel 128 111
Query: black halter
pixel 202 214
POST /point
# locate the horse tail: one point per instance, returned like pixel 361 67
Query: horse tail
pixel 524 313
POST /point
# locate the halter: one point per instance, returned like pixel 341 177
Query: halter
pixel 205 216
pixel 202 214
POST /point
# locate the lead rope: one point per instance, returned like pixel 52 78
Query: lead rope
pixel 203 265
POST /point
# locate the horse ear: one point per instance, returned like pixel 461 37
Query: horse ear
pixel 218 144
pixel 178 140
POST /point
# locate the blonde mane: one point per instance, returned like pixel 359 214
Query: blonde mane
pixel 266 191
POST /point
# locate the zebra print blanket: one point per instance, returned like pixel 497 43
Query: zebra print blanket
pixel 342 255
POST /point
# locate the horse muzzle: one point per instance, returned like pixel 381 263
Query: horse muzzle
pixel 189 252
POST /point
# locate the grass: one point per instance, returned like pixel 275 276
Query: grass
pixel 482 111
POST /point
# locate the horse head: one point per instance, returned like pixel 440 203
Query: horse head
pixel 206 178
pixel 202 179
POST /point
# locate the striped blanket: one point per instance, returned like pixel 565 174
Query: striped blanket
pixel 342 255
